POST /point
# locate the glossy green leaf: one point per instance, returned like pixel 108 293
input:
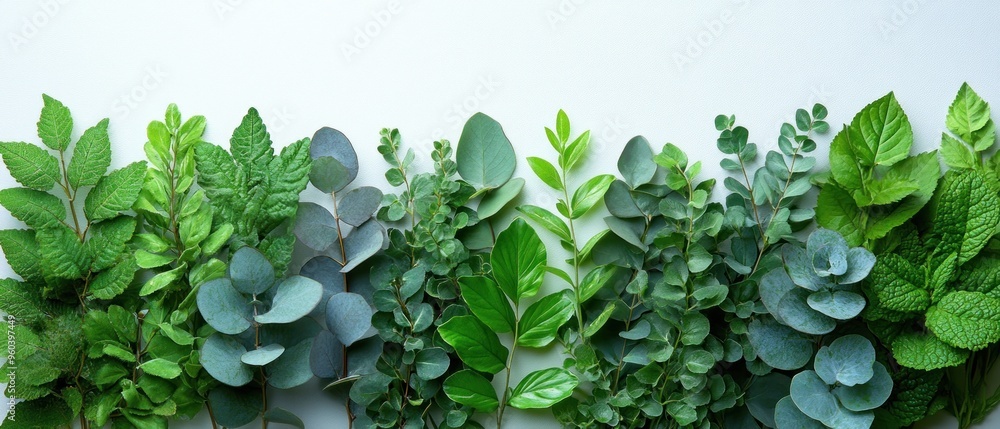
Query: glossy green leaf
pixel 488 303
pixel 55 125
pixel 470 388
pixel 475 343
pixel 541 321
pixel 518 261
pixel 588 194
pixel 91 157
pixel 547 220
pixel 546 172
pixel 543 388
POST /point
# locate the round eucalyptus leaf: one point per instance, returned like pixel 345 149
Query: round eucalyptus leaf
pixel 778 345
pixel 620 202
pixel 868 396
pixel 329 175
pixel 847 360
pixel 795 312
pixel 263 355
pixel 773 287
pixel 763 395
pixel 296 296
pixel 326 358
pixel 328 142
pixel 326 271
pixel 251 272
pixel 432 363
pixel 220 356
pixel 859 264
pixel 840 305
pixel 636 162
pixel 364 354
pixel 315 226
pixel 484 155
pixel 362 243
pixel 800 268
pixel 828 252
pixel 349 317
pixel 847 419
pixel 813 397
pixel 496 199
pixel 223 307
pixel 788 416
pixel 234 407
pixel 291 369
pixel 358 205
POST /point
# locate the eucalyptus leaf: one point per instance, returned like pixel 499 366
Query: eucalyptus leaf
pixel 220 356
pixel 315 226
pixel 362 243
pixel 223 307
pixel 296 296
pixel 328 142
pixel 358 205
pixel 250 271
pixel 235 407
pixel 636 162
pixel 262 356
pixel 348 316
pixel 291 369
pixel 496 199
pixel 484 155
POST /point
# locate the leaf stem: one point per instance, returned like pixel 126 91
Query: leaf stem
pixel 347 288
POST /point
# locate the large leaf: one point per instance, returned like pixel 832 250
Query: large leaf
pixel 115 192
pixel 251 272
pixel 967 320
pixel 518 261
pixel 91 157
pixel 315 226
pixel 885 130
pixel 778 345
pixel 341 165
pixel 543 388
pixel 967 214
pixel 349 317
pixel 220 356
pixel 36 209
pixel 488 303
pixel 475 343
pixel 235 407
pixel 223 307
pixel 291 369
pixel 484 155
pixel 541 321
pixel 926 352
pixel 295 297
pixel 468 387
pixel 847 360
pixel 363 242
pixel 31 165
pixel 636 162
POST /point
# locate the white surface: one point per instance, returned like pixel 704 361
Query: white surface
pixel 652 68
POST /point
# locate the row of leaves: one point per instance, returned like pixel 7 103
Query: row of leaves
pixel 162 298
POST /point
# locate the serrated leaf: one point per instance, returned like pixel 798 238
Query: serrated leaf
pixel 926 352
pixel 967 114
pixel 113 282
pixel 37 209
pixel 22 301
pixel 967 320
pixel 115 192
pixel 63 255
pixel 885 131
pixel 91 156
pixel 31 165
pixel 22 253
pixel 55 124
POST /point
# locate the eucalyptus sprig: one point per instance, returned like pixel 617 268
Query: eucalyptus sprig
pixel 76 268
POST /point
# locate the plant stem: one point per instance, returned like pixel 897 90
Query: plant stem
pixel 347 288
pixel 506 385
pixel 576 255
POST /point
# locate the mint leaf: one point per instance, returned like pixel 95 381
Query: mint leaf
pixel 926 352
pixel 898 285
pixel 55 124
pixel 924 170
pixel 885 131
pixel 31 165
pixel 967 114
pixel 837 210
pixel 115 192
pixel 91 156
pixel 957 154
pixel 967 214
pixel 844 165
pixel 967 320
pixel 36 209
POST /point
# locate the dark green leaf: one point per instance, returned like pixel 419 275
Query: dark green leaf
pixel 475 343
pixel 468 387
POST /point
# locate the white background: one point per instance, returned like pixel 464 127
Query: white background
pixel 660 69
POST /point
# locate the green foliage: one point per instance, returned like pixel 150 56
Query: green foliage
pixel 873 185
pixel 253 189
pixel 263 336
pixel 518 260
pixel 75 268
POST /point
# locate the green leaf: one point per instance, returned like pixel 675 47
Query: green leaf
pixel 363 242
pixel 263 355
pixel 235 407
pixel 348 316
pixel 898 285
pixel 283 416
pixel 488 303
pixel 63 255
pixel 114 281
pixel 518 261
pixel 547 220
pixel 926 352
pixel 595 280
pixel 543 388
pixel 844 165
pixel 541 321
pixel 162 280
pixel 967 114
pixel 22 253
pixel 813 397
pixel 251 271
pixel 867 396
pixel 358 205
pixel 334 159
pixel 484 155
pixel 470 388
pixel 115 192
pixel 589 194
pixel 885 131
pixel 923 169
pixel 496 199
pixel 562 125
pixel 636 162
pixel 575 151
pixel 475 343
pixel 220 356
pixel 967 320
pixel 957 154
pixel 847 360
pixel 432 363
pixel 967 214
pixel 296 296
pixel 546 172
pixel 91 157
pixel 161 368
pixel 37 209
pixel 22 301
pixel 31 165
pixel 328 175
pixel 778 345
pixel 107 241
pixel 223 307
pixel 836 210
pixel 55 124
pixel 291 369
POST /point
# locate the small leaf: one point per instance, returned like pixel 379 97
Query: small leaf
pixel 432 363
pixel 484 155
pixel 262 356
pixel 847 360
pixel 967 114
pixel 283 416
pixel 468 387
pixel 220 356
pixel 475 343
pixel 161 368
pixel 589 194
pixel 543 388
pixel 547 220
pixel 296 296
pixel 546 172
pixel 349 317
pixel 250 271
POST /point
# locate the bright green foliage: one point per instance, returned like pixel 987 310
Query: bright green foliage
pixel 873 186
pixel 438 240
pixel 518 260
pixel 253 189
pixel 263 336
pixel 75 268
pixel 974 133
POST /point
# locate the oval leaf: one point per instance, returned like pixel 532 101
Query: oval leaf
pixel 468 387
pixel 484 155
pixel 349 317
pixel 315 226
pixel 488 303
pixel 220 356
pixel 518 260
pixel 475 343
pixel 358 205
pixel 251 271
pixel 263 355
pixel 328 142
pixel 543 389
pixel 542 320
pixel 498 198
pixel 223 307
pixel 636 162
pixel 296 297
